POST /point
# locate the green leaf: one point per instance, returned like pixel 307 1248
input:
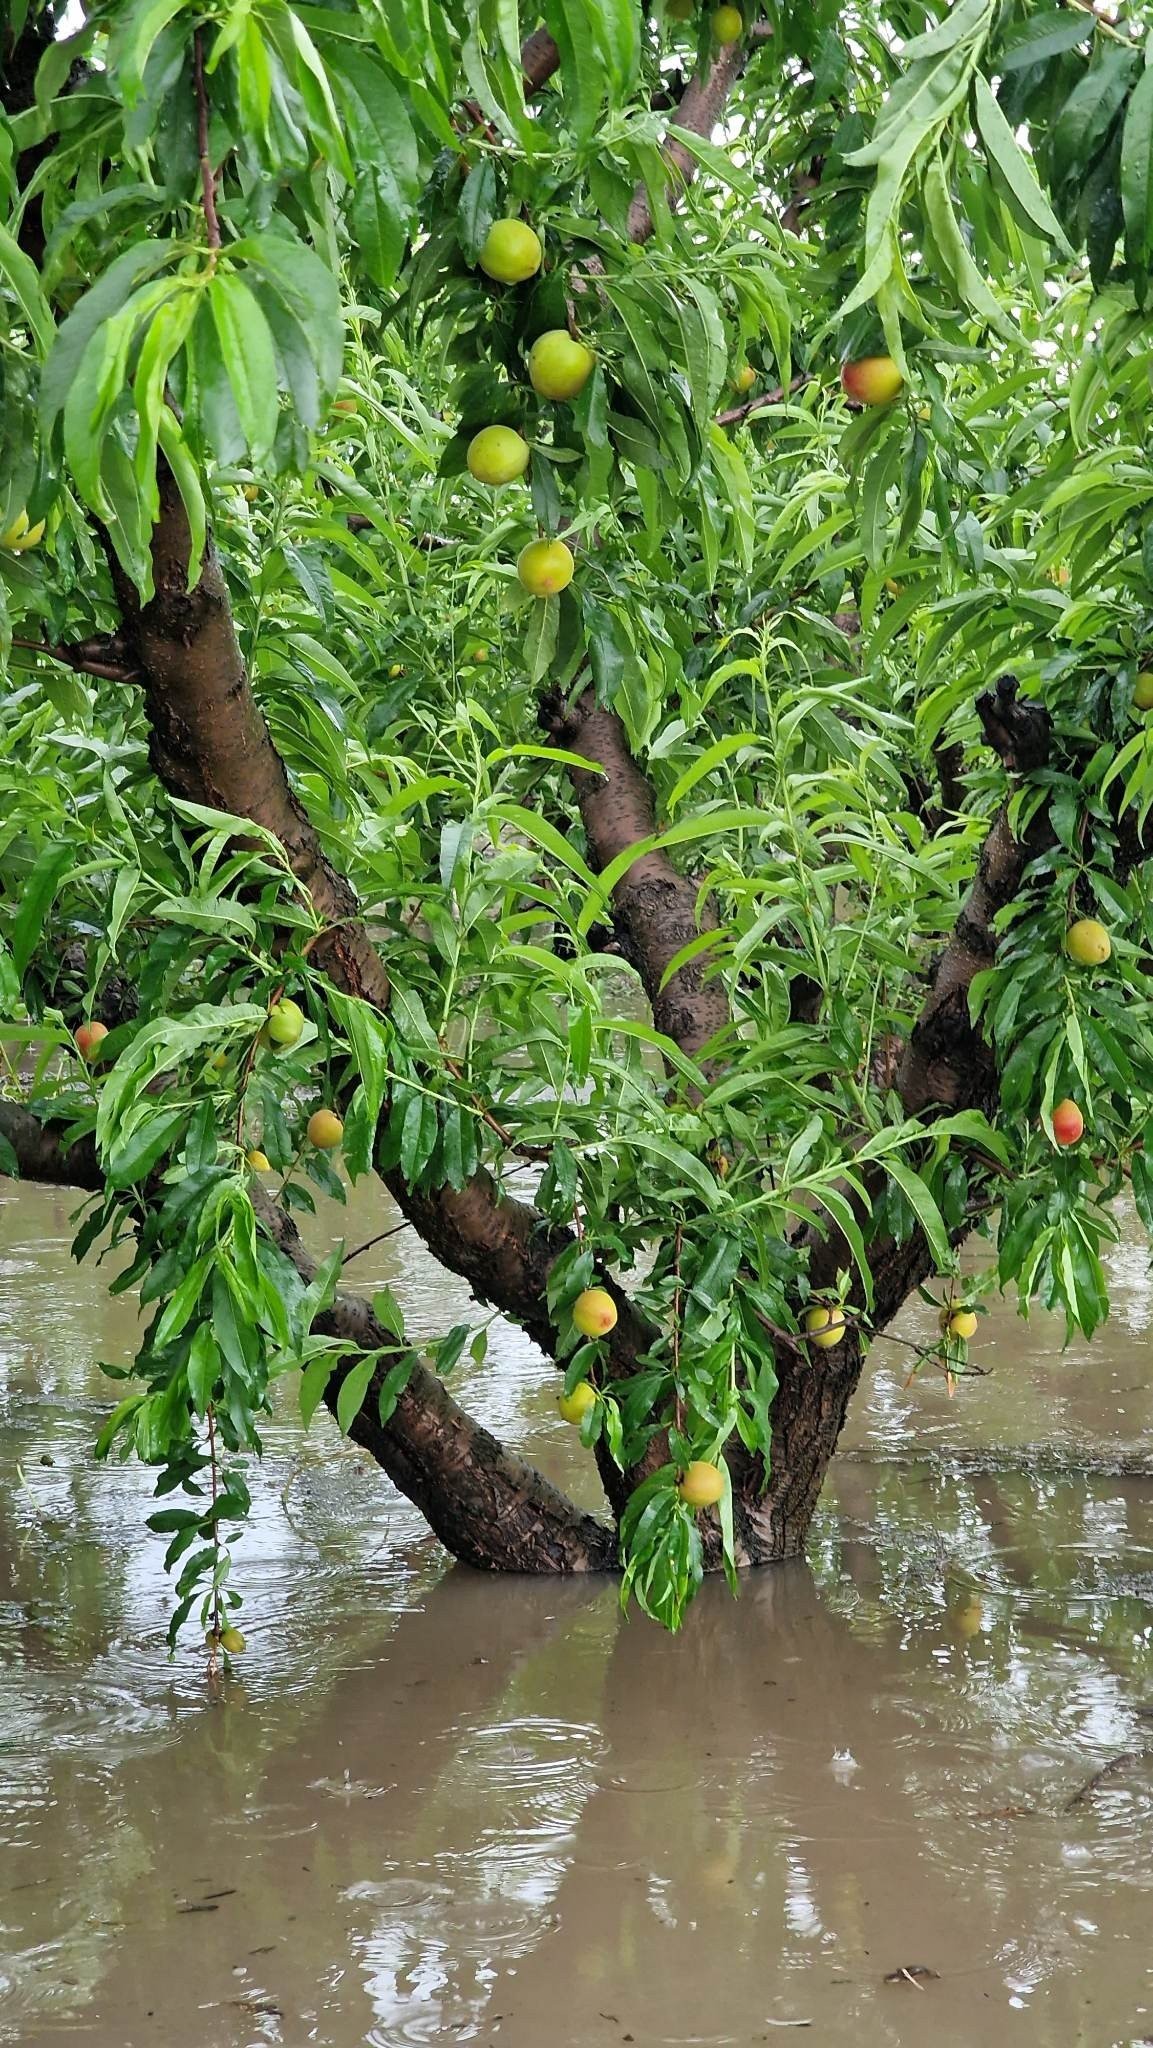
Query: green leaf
pixel 924 1208
pixel 1049 33
pixel 21 273
pixel 967 280
pixel 249 359
pixel 1137 181
pixel 353 1388
pixel 203 1367
pixel 106 297
pixel 541 635
pixel 313 1382
pixel 477 209
pixel 1023 194
pixel 39 893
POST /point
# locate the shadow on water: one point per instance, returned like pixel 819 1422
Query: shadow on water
pixel 441 1808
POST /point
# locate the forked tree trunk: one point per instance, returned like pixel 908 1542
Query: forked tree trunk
pixel 210 743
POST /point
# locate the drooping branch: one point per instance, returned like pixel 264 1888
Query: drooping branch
pixel 655 907
pixel 210 743
pixel 734 414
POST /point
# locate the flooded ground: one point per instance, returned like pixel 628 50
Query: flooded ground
pixel 862 1802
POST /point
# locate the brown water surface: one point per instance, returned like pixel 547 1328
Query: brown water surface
pixel 440 1808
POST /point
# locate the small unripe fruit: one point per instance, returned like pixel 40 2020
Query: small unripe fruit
pixel 594 1312
pixel 232 1641
pixel 497 455
pixel 285 1022
pixel 965 1619
pixel 396 670
pixel 963 1324
pixel 558 366
pixel 479 654
pixel 511 252
pixel 745 378
pixel 324 1129
pixel 872 380
pixel 1088 943
pixel 702 1485
pixel 258 1161
pixel 252 493
pixel 1068 1123
pixel 575 1406
pixel 89 1038
pixel 825 1327
pixel 545 567
pixel 679 10
pixel 727 23
pixel 20 535
pixel 1143 692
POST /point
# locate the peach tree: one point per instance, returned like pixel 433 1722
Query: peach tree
pixel 573 589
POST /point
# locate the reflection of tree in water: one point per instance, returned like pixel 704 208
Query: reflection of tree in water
pixel 506 1801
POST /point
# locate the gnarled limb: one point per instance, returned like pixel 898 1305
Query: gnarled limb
pixel 42 1155
pixel 488 1506
pixel 655 907
pixel 946 1063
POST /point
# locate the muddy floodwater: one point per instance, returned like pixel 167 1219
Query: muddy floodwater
pixel 900 1793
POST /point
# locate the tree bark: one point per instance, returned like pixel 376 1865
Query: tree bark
pixel 698 114
pixel 656 908
pixel 489 1507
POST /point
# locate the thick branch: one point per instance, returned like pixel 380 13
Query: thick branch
pixel 655 907
pixel 209 742
pixel 42 1155
pixel 698 114
pixel 101 657
pixel 487 1505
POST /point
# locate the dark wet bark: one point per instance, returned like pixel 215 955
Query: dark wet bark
pixel 948 1065
pixel 657 910
pixel 209 742
pixel 489 1507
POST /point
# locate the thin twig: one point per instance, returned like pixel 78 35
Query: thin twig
pixel 774 397
pixel 535 1153
pixel 1109 1770
pixel 207 175
pixel 369 1242
pixel 677 1326
pixel 87 658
